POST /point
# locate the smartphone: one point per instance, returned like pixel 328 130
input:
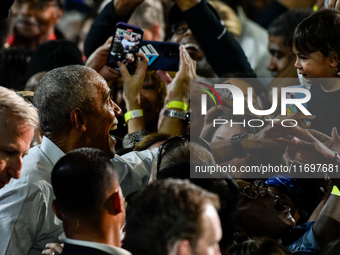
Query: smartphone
pixel 293 109
pixel 125 44
pixel 162 55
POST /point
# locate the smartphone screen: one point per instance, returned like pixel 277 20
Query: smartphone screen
pixel 125 45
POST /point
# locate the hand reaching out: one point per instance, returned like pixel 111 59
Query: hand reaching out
pixel 53 248
pixel 178 89
pixel 304 142
pixel 98 59
pixel 133 83
pixel 333 143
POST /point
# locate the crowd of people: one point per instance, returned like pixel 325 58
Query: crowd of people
pixel 235 153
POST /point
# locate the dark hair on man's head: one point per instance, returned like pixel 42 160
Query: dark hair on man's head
pixel 286 24
pixel 319 32
pixel 163 213
pixel 226 189
pixel 80 181
pixel 62 90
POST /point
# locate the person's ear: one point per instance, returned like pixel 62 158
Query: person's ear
pixel 78 119
pixel 334 59
pixel 181 247
pixel 56 210
pixel 115 203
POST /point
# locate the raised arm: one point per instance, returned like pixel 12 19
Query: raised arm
pixel 327 225
pixel 178 90
pixel 222 51
pixel 131 91
pixel 103 26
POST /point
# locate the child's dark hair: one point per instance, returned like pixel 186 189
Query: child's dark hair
pixel 319 32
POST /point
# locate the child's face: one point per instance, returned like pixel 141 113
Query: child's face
pixel 315 65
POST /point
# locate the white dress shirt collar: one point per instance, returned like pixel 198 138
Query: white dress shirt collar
pixel 99 246
pixel 52 151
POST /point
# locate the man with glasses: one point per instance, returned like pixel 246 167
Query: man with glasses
pixel 262 213
pixel 34 22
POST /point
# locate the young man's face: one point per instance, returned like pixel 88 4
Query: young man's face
pixel 281 55
pixel 35 19
pixel 15 140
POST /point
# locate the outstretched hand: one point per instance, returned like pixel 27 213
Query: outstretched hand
pixel 98 59
pixel 53 248
pixel 133 83
pixel 333 143
pixel 178 89
pixel 305 143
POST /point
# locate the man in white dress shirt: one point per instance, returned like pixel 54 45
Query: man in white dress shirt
pixel 75 111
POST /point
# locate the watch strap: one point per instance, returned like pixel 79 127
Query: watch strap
pixel 237 145
pixel 182 115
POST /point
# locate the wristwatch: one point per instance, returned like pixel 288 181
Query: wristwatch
pixel 184 115
pixel 237 145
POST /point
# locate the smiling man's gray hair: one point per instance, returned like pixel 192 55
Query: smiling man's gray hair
pixel 60 91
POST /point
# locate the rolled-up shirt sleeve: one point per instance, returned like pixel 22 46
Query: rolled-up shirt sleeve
pixel 134 169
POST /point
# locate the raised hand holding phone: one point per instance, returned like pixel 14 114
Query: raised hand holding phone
pixel 133 83
pixel 98 59
pixel 125 44
pixel 131 90
pixel 178 89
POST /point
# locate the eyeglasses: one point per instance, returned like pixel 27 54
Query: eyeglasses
pixel 258 189
pixel 176 141
pixel 180 29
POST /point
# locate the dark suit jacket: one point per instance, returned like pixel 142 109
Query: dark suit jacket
pixel 71 249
